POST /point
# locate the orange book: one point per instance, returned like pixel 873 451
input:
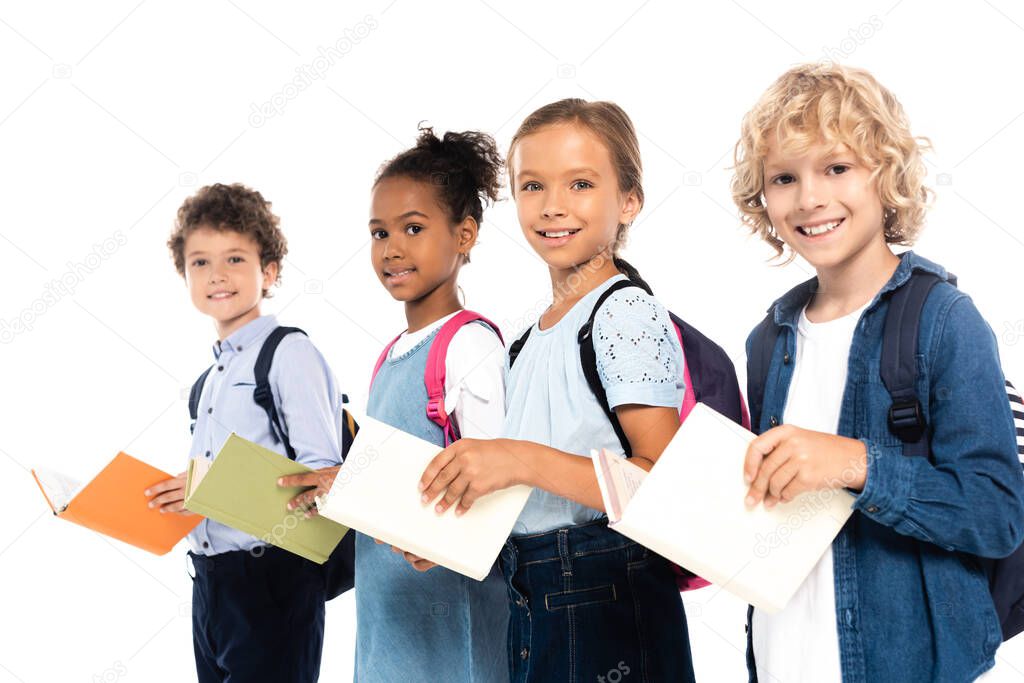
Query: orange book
pixel 114 505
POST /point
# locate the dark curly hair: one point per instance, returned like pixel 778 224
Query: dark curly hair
pixel 230 207
pixel 464 168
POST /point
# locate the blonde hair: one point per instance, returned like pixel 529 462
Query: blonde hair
pixel 834 104
pixel 610 124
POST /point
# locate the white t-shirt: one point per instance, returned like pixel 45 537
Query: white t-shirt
pixel 801 643
pixel 474 382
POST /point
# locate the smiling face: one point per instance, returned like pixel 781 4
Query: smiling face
pixel 824 205
pixel 224 276
pixel 415 250
pixel 567 195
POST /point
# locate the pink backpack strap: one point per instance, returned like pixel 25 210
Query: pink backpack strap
pixel 383 357
pixel 434 374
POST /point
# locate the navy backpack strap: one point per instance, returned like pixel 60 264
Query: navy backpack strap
pixel 711 372
pixel 517 346
pixel 193 399
pixel 588 360
pixel 762 346
pixel 899 362
pixel 262 394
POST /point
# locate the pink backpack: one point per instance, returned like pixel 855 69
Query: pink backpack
pixel 434 374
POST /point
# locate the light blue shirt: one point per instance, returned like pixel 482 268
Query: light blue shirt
pixel 639 361
pixel 307 398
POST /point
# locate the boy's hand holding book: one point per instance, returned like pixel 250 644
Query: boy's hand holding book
pixel 786 461
pixel 319 483
pixel 169 495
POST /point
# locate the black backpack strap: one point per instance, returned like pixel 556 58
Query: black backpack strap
pixel 588 360
pixel 762 346
pixel 899 361
pixel 262 394
pixel 517 346
pixel 193 399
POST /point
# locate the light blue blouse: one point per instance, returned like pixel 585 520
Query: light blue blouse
pixel 639 361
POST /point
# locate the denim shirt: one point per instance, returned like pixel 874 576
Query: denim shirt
pixel 912 602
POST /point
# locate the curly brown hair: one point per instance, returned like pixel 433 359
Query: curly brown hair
pixel 230 207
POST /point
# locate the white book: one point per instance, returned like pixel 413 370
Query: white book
pixel 376 492
pixel 690 509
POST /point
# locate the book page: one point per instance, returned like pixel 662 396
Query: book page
pixel 619 480
pixel 197 469
pixel 58 488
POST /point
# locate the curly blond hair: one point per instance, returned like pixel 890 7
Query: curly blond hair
pixel 834 104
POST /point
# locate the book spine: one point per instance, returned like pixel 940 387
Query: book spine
pixel 253 530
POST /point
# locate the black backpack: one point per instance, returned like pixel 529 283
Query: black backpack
pixel 339 570
pixel 711 374
pixel 906 418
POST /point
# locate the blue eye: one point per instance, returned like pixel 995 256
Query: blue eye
pixel 582 185
pixel 531 187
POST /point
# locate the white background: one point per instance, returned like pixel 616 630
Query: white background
pixel 112 113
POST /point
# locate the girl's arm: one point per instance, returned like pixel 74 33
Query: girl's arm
pixel 642 384
pixel 471 468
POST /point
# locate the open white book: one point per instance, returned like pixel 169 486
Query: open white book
pixel 58 488
pixel 376 492
pixel 689 508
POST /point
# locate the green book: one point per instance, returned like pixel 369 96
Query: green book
pixel 239 488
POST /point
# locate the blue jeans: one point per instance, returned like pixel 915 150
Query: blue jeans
pixel 588 604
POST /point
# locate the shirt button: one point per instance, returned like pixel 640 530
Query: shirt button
pixel 520 602
pixel 208 454
pixel 524 653
pixel 210 411
pixel 872 509
pixel 220 368
pixel 785 359
pixel 773 421
pixel 205 544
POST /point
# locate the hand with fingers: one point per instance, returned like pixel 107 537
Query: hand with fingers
pixel 786 461
pixel 319 483
pixel 469 469
pixel 168 495
pixel 417 562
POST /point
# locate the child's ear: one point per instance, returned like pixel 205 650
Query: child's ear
pixel 466 233
pixel 631 206
pixel 270 272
